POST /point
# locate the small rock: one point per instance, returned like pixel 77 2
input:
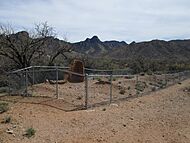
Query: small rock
pixel 79 98
pixel 90 110
pixel 9 131
pixel 116 105
pixel 14 126
pixel 20 116
pixel 131 118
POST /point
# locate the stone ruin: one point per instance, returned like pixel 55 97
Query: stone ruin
pixel 77 66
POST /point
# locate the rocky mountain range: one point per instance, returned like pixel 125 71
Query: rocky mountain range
pixel 95 47
pixel 155 49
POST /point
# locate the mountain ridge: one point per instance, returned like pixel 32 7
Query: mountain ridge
pixel 154 49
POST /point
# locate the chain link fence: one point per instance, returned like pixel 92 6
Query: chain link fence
pixel 111 86
pixel 99 86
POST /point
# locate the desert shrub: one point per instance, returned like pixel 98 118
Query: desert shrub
pixel 161 83
pixel 30 132
pixel 153 88
pixel 142 74
pixel 140 86
pixel 137 92
pixel 128 87
pixel 3 89
pixel 114 79
pixel 99 79
pixel 149 72
pixel 79 98
pixel 150 83
pixel 129 77
pixel 7 119
pixel 122 91
pixel 3 107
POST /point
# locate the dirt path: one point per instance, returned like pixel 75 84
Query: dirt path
pixel 162 117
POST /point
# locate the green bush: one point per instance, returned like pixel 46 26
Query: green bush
pixel 114 79
pixel 149 72
pixel 30 132
pixel 153 88
pixel 122 91
pixel 99 79
pixel 4 107
pixel 140 86
pixel 129 77
pixel 7 119
pixel 142 74
pixel 3 89
pixel 137 92
pixel 128 87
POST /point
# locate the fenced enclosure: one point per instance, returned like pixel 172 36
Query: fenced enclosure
pixel 99 86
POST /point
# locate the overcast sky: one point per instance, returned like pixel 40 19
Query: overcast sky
pixel 123 20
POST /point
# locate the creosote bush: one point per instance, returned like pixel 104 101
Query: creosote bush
pixel 128 87
pixel 30 132
pixel 7 120
pixel 3 107
pixel 153 88
pixel 122 91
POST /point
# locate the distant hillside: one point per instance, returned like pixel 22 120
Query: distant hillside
pixel 175 50
pixel 97 48
pixel 149 56
pixel 155 49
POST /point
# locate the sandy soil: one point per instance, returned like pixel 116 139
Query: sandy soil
pixel 161 117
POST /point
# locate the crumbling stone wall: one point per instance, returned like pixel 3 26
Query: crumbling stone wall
pixel 77 66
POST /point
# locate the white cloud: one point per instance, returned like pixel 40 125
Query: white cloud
pixel 128 20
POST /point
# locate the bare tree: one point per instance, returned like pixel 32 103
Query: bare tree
pixel 23 47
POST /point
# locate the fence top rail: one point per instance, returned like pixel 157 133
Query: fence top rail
pixel 108 75
pixel 100 70
pixel 19 70
pixel 59 67
pixel 73 73
pixel 87 69
pixel 31 67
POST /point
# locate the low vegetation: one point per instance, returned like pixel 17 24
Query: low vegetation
pixel 4 107
pixel 122 91
pixel 140 86
pixel 7 120
pixel 30 132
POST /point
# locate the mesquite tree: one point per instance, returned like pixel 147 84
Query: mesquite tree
pixel 24 47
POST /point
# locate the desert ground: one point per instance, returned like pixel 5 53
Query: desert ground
pixel 99 89
pixel 160 117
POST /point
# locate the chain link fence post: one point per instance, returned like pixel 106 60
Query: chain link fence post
pixel 9 84
pixel 26 82
pixel 137 79
pixel 86 90
pixel 57 78
pixel 111 85
pixel 33 76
